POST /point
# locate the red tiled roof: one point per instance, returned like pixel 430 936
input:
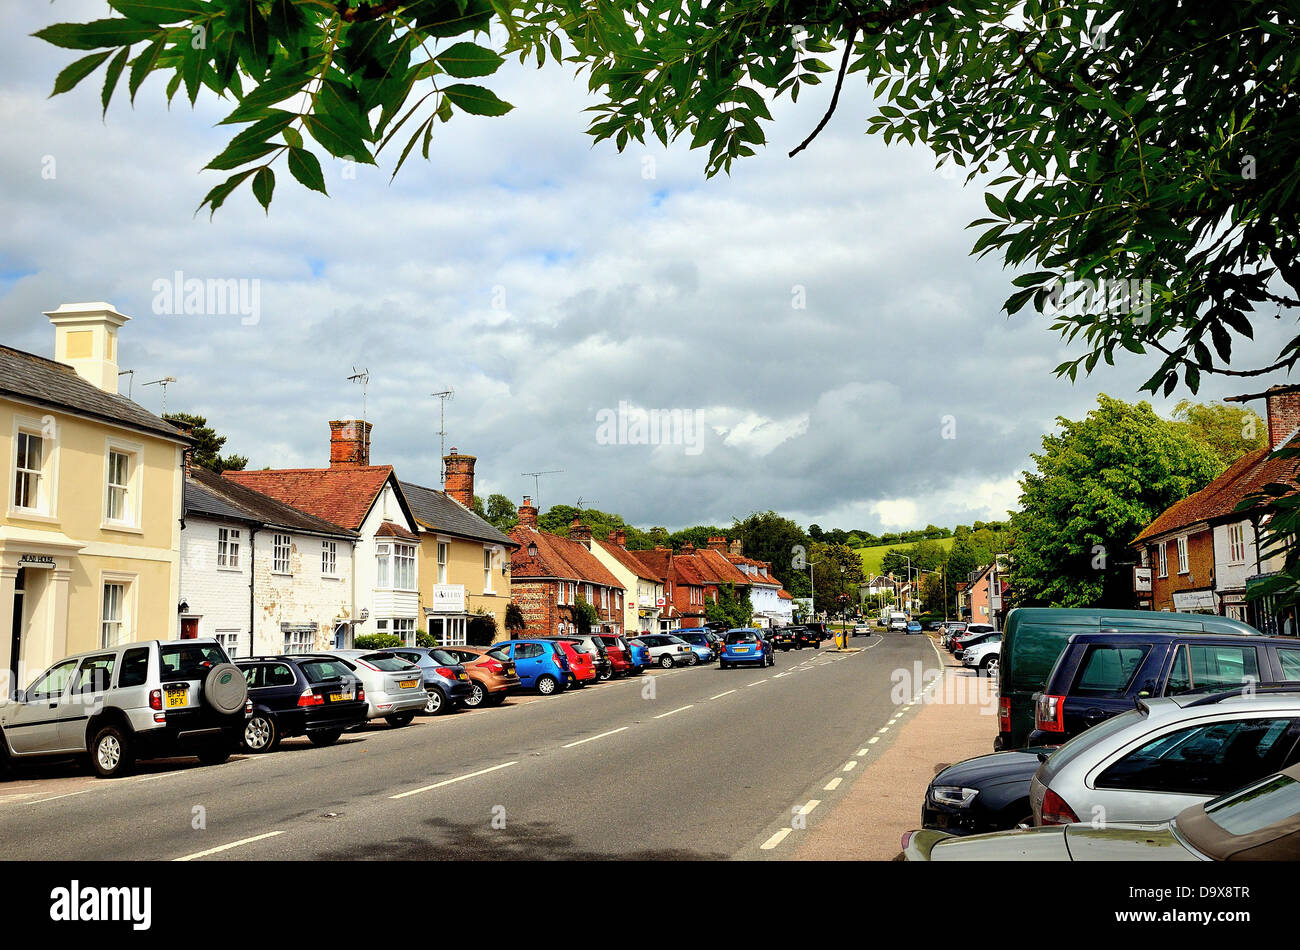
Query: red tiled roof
pixel 687 570
pixel 1218 499
pixel 624 557
pixel 556 557
pixel 656 562
pixel 390 530
pixel 716 569
pixel 341 496
pixel 784 594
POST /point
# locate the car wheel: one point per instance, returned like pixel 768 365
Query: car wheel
pixel 4 758
pixel 477 696
pixel 321 738
pixel 498 699
pixel 399 719
pixel 724 665
pixel 216 754
pixel 692 660
pixel 605 675
pixel 260 734
pixel 112 753
pixel 666 662
pixel 990 667
pixel 546 685
pixel 817 645
pixel 437 703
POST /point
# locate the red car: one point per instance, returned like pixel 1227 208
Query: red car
pixel 581 667
pixel 620 655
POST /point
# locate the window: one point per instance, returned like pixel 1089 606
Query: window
pixel 1256 808
pixel 404 627
pixel 487 570
pixel 384 566
pixel 113 622
pixel 573 591
pixel 404 567
pixel 95 675
pixel 1289 660
pixel 442 562
pixel 1236 544
pixel 527 651
pixel 329 558
pixel 1209 759
pixel 119 482
pixel 1162 559
pixel 281 546
pixel 299 639
pixel 1182 555
pixel 1109 670
pixel 52 684
pixel 28 472
pixel 229 640
pixel 228 548
pixel 1215 665
pixel 135 667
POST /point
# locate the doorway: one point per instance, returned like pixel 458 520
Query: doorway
pixel 16 634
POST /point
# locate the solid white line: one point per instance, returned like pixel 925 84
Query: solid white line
pixel 832 785
pixel 227 847
pixel 55 798
pixel 850 765
pixel 677 710
pixel 807 809
pixel 720 695
pixel 773 841
pixel 452 781
pixel 594 738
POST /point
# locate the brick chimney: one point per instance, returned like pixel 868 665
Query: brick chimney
pixel 459 483
pixel 688 548
pixel 737 548
pixel 618 537
pixel 528 513
pixel 718 544
pixel 349 443
pixel 580 532
pixel 1283 413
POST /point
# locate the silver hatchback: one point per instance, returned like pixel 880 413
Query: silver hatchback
pixel 394 686
pixel 1150 763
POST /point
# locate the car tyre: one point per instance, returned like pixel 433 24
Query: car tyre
pixel 989 666
pixel 547 685
pixel 497 699
pixel 437 703
pixel 666 662
pixel 692 660
pixel 260 734
pixel 323 737
pixel 398 720
pixel 477 696
pixel 605 675
pixel 216 754
pixel 724 665
pixel 112 752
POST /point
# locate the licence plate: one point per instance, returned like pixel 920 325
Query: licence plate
pixel 341 697
pixel 177 697
pixel 742 649
pixel 407 684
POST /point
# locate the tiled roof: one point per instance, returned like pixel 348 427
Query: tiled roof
pixel 687 570
pixel 657 562
pixel 784 594
pixel 716 569
pixel 438 511
pixel 390 530
pixel 209 494
pixel 624 557
pixel 1218 499
pixel 556 557
pixel 342 496
pixel 47 383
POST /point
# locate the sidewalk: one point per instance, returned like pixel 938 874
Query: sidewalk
pixel 956 720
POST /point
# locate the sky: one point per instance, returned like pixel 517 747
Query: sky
pixel 811 333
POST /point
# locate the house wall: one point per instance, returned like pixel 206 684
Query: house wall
pixel 220 598
pixel 1200 567
pixel 465 566
pixel 1230 574
pixel 382 604
pixel 306 595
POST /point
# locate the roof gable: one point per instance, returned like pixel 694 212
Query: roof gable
pixel 210 494
pixel 556 557
pixel 341 496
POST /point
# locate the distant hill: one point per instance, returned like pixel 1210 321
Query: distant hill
pixel 873 556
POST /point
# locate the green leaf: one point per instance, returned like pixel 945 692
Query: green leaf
pixel 466 60
pixel 218 195
pixel 305 167
pixel 74 73
pixel 143 64
pixel 476 100
pixel 97 33
pixel 263 186
pixel 112 74
pixel 160 11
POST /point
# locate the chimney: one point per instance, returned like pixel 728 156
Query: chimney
pixel 459 477
pixel 580 532
pixel 1283 413
pixel 527 513
pixel 688 548
pixel 717 544
pixel 737 548
pixel 618 537
pixel 350 443
pixel 85 338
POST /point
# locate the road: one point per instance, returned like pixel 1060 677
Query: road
pixel 682 764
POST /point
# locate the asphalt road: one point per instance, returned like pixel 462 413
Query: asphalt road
pixel 688 764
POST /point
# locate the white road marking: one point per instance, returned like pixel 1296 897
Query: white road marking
pixel 594 738
pixel 720 695
pixel 807 809
pixel 55 798
pixel 453 781
pixel 850 765
pixel 759 683
pixel 873 740
pixel 773 841
pixel 677 710
pixel 883 729
pixel 227 847
pixel 832 785
pixel 862 752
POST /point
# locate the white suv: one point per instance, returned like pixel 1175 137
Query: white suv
pixel 984 658
pixel 154 699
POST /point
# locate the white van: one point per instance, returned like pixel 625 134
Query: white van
pixel 898 620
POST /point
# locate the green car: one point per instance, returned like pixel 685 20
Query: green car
pixel 1034 638
pixel 1260 822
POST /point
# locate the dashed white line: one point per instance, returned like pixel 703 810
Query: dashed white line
pixel 862 752
pixel 594 738
pixel 227 847
pixel 759 683
pixel 850 765
pixel 832 784
pixel 773 841
pixel 873 740
pixel 452 781
pixel 677 710
pixel 883 729
pixel 720 695
pixel 807 809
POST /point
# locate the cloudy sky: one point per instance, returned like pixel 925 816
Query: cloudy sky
pixel 548 282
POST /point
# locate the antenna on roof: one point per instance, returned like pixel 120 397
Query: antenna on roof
pixel 580 501
pixel 537 483
pixel 446 394
pixel 361 376
pixel 130 383
pixel 160 382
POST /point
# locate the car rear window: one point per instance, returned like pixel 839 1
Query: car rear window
pixel 189 661
pixel 445 656
pixel 320 671
pixel 135 667
pixel 388 662
pixel 1255 808
pixel 741 636
pixel 500 653
pixel 1109 670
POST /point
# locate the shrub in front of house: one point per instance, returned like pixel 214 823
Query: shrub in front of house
pixel 377 641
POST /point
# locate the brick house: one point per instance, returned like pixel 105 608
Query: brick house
pixel 985 597
pixel 548 574
pixel 683 588
pixel 770 608
pixel 645 590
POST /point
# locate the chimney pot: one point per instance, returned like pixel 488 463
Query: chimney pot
pixel 1283 411
pixel 350 443
pixel 459 477
pixel 579 531
pixel 527 513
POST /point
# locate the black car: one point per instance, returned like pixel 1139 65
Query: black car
pixel 808 637
pixel 784 638
pixel 312 695
pixel 986 793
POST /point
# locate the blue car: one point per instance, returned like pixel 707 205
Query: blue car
pixel 745 645
pixel 639 655
pixel 445 679
pixel 914 626
pixel 541 664
pixel 698 640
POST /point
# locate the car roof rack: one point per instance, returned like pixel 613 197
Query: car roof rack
pixel 1250 689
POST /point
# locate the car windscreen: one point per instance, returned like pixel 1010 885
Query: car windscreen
pixel 500 653
pixel 320 671
pixel 189 661
pixel 741 636
pixel 388 662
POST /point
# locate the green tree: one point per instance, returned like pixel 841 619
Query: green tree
pixel 500 512
pixel 1098 483
pixel 766 536
pixel 208 445
pixel 837 570
pixel 732 607
pixel 584 616
pixel 1230 431
pixel 481 631
pixel 962 560
pixel 515 621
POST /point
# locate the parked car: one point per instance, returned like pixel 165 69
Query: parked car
pixel 698 641
pixel 1258 822
pixel 445 680
pixel 983 794
pixel 816 626
pixel 594 648
pixel 745 645
pixel 667 650
pixel 914 626
pixel 985 659
pixel 784 638
pixel 491 680
pixel 582 665
pixel 969 634
pixel 952 629
pixel 1150 763
pixel 1034 637
pixel 540 664
pixel 808 637
pixel 1101 674
pixel 311 696
pixel 147 700
pixel 616 650
pixel 639 655
pixel 394 685
pixel 934 625
pixel 974 640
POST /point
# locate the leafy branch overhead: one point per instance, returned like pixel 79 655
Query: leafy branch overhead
pixel 1138 158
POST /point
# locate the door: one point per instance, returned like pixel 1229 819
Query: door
pixel 529 661
pixel 33 724
pixel 16 633
pixel 189 628
pixel 84 699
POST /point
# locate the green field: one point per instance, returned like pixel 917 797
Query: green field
pixel 873 556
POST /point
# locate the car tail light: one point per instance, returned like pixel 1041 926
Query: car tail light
pixel 1055 811
pixel 492 666
pixel 1049 714
pixel 155 699
pixel 361 695
pixel 446 671
pixel 907 839
pixel 308 698
pixel 1004 714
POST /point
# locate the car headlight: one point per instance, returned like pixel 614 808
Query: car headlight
pixel 953 795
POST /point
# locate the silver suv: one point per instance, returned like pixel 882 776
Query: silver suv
pixel 154 699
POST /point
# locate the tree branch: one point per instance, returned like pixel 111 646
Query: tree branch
pixel 364 11
pixel 835 98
